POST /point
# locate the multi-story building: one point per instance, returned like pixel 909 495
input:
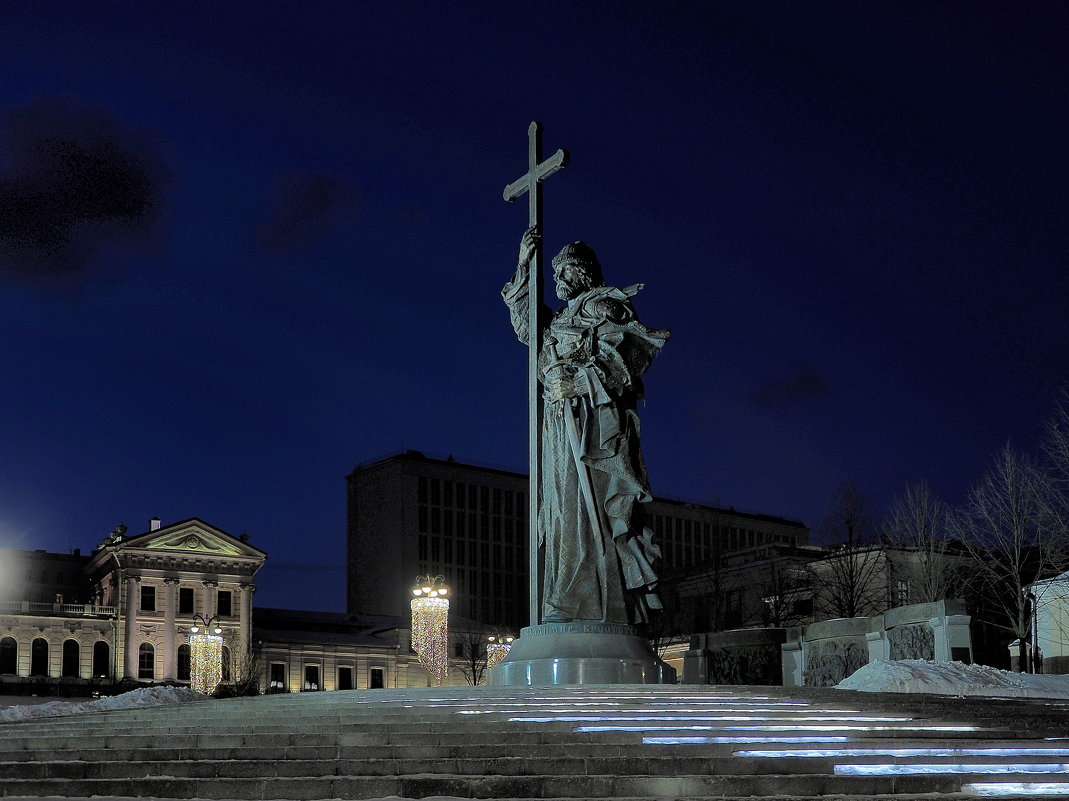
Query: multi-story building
pixel 125 611
pixel 75 624
pixel 411 515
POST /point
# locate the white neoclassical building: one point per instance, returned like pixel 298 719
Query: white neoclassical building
pixel 74 624
pixel 125 611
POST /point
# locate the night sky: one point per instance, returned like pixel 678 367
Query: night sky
pixel 244 247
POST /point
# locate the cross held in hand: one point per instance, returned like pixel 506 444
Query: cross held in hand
pixel 537 171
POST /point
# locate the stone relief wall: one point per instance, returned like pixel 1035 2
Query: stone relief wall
pixel 831 661
pixel 753 665
pixel 911 642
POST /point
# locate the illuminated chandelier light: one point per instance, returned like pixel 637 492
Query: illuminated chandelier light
pixel 205 657
pixel 497 649
pixel 430 625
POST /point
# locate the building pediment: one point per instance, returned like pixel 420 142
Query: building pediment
pixel 192 537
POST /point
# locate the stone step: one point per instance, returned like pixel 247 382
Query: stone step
pixel 625 765
pixel 564 742
pixel 568 748
pixel 541 786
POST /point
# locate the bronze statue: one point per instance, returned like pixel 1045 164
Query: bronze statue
pixel 599 552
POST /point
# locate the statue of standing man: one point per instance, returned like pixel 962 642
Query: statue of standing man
pixel 599 552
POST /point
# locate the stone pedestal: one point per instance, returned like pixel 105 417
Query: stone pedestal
pixel 580 652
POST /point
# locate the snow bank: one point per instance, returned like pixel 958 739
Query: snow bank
pixel 952 678
pixel 145 696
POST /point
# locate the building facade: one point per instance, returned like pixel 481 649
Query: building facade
pixel 411 515
pixel 124 612
pixel 77 625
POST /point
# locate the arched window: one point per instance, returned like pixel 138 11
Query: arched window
pixel 226 665
pixel 9 656
pixel 72 658
pixel 146 662
pixel 39 657
pixel 101 660
pixel 183 662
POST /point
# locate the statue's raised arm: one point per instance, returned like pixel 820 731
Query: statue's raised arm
pixel 515 292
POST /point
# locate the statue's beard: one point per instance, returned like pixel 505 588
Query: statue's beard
pixel 567 291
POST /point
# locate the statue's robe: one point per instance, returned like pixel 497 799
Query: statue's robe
pixel 599 552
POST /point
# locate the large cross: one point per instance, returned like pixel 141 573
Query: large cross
pixel 531 183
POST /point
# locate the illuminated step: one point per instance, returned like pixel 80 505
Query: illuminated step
pixel 935 768
pixel 906 752
pixel 798 727
pixel 991 789
pixel 707 718
pixel 697 740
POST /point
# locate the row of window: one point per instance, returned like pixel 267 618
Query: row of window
pixel 472 497
pixel 277 679
pixel 39 658
pixel 442 551
pixel 688 542
pixel 472 525
pixel 72 659
pixel 224 601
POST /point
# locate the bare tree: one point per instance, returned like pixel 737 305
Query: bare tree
pixel 851 580
pixel 1055 446
pixel 917 527
pixel 1013 538
pixel 470 656
pixel 784 594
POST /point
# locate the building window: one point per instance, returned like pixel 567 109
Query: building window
pixel 148 598
pixel 185 600
pixel 9 656
pixel 101 660
pixel 72 657
pixel 345 678
pixel 224 604
pixel 277 682
pixel 311 678
pixel 377 680
pixel 39 657
pixel 183 662
pixel 901 592
pixel 146 662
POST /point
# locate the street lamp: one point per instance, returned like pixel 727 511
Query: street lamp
pixel 497 648
pixel 205 655
pixel 430 625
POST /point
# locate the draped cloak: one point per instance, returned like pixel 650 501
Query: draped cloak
pixel 599 552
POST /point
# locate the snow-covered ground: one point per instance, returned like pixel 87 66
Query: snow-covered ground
pixel 15 709
pixel 953 678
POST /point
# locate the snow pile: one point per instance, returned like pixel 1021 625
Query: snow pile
pixel 952 678
pixel 146 696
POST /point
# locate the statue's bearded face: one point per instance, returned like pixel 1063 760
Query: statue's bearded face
pixel 571 278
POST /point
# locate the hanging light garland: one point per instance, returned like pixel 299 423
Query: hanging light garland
pixel 497 648
pixel 430 625
pixel 205 655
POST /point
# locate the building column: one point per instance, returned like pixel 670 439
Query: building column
pixel 129 643
pixel 170 662
pixel 210 599
pixel 244 649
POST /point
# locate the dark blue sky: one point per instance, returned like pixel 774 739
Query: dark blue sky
pixel 243 248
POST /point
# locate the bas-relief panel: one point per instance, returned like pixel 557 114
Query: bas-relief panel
pixel 830 661
pixel 915 641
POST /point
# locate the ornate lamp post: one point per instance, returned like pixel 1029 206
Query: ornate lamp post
pixel 497 648
pixel 430 625
pixel 205 655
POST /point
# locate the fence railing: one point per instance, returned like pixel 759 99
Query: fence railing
pixel 56 610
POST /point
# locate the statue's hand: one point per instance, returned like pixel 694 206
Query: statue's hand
pixel 559 387
pixel 529 243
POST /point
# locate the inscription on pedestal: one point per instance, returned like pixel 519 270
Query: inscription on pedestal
pixel 581 627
